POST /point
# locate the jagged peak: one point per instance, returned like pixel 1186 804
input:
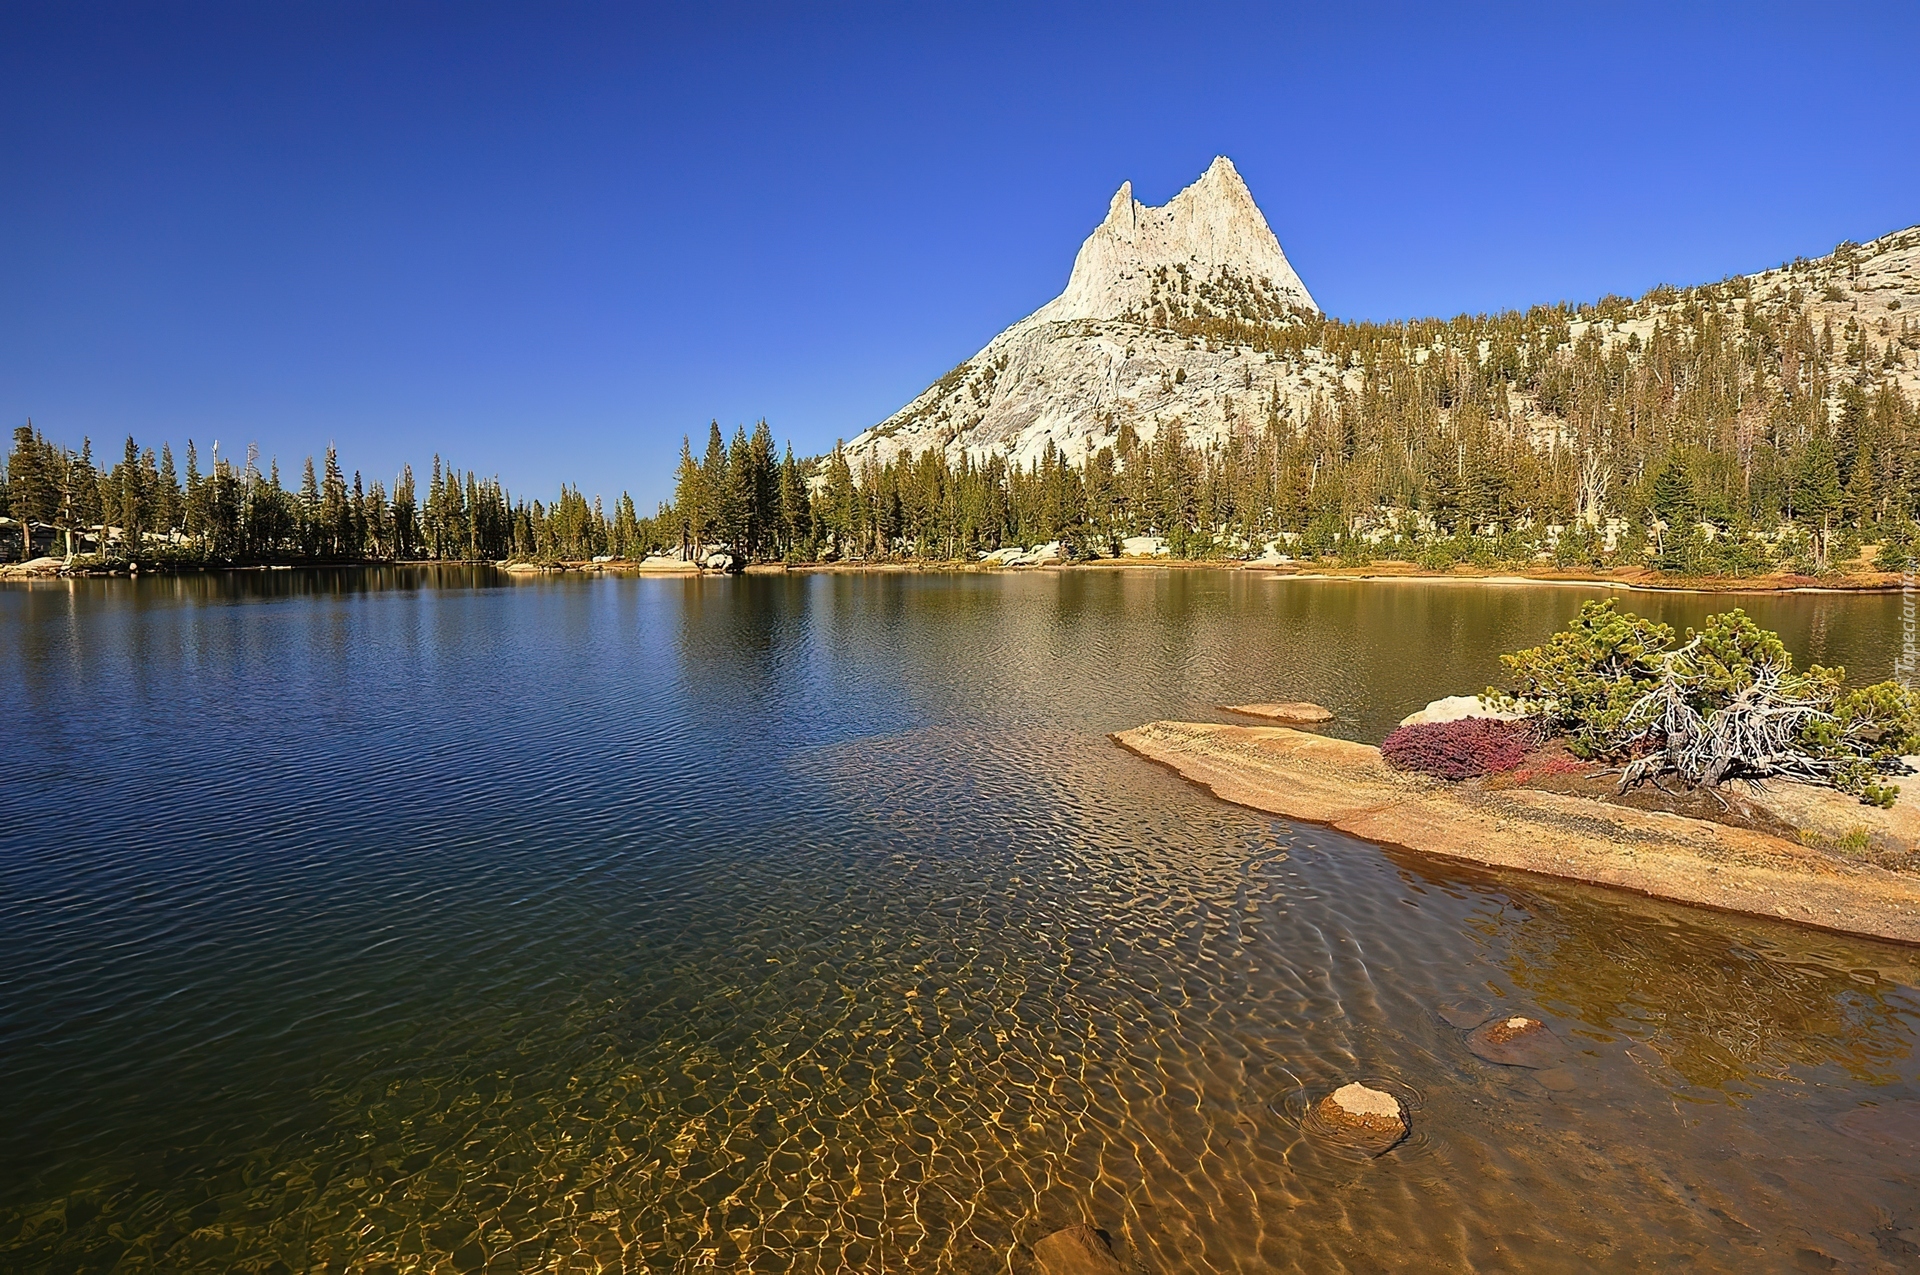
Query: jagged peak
pixel 1212 226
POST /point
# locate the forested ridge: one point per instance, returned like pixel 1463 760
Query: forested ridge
pixel 1762 421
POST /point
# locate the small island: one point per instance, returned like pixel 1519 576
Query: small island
pixel 1708 772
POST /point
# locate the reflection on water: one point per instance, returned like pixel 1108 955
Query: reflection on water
pixel 425 921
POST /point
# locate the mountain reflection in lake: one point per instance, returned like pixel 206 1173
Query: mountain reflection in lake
pixel 416 920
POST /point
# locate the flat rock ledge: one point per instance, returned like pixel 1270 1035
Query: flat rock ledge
pixel 1299 711
pixel 1347 786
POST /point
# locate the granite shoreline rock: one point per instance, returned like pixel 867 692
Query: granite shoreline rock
pixel 1348 786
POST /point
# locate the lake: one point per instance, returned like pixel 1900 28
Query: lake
pixel 417 919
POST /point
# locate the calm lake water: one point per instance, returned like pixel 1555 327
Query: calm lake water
pixel 412 920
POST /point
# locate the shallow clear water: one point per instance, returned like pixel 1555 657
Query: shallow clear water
pixel 410 920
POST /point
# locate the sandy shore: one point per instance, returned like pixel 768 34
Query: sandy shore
pixel 1634 579
pixel 1347 786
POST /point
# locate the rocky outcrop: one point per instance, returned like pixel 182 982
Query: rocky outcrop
pixel 1076 1250
pixel 34 567
pixel 1454 708
pixel 1051 554
pixel 1102 354
pixel 664 563
pixel 1347 785
pixel 1211 228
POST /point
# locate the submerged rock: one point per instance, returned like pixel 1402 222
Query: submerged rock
pixel 1367 1118
pixel 1465 1013
pixel 1076 1250
pixel 1293 710
pixel 1517 1041
pixel 1895 1125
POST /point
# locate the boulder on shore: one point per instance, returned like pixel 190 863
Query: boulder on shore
pixel 1299 711
pixel 1051 554
pixel 1077 1250
pixel 35 567
pixel 1370 1119
pixel 1453 708
pixel 1517 1041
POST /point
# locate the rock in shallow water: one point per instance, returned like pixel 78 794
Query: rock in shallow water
pixel 1077 1250
pixel 1465 1013
pixel 1363 1117
pixel 1297 711
pixel 1517 1041
pixel 1894 1125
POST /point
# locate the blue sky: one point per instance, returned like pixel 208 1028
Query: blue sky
pixel 547 240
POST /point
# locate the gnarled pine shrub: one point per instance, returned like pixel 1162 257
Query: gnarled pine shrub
pixel 1725 704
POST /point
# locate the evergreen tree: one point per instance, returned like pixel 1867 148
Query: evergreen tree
pixel 31 494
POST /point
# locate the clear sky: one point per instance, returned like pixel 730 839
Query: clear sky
pixel 547 240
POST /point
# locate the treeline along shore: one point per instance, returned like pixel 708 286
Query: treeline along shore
pixel 1735 439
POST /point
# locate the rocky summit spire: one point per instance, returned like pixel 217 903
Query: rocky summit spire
pixel 1211 227
pixel 1114 350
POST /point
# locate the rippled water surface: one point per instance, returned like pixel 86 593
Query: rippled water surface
pixel 394 921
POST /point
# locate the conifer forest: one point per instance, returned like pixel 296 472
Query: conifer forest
pixel 1732 429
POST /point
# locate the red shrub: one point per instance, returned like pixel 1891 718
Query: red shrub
pixel 1465 749
pixel 1547 765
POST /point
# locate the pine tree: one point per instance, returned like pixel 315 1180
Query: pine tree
pixel 31 495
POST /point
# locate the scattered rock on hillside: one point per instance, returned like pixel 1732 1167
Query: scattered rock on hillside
pixel 1517 1041
pixel 1367 1118
pixel 1077 1250
pixel 1295 711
